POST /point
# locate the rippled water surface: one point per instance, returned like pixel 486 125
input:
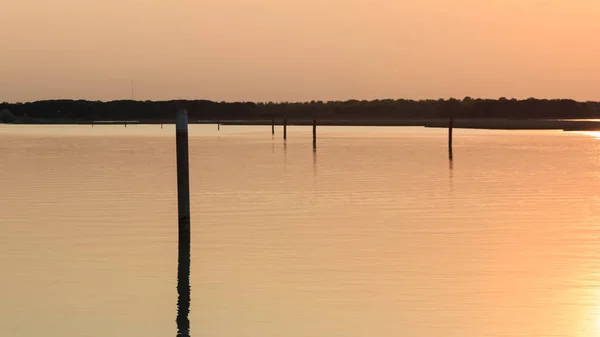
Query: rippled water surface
pixel 375 234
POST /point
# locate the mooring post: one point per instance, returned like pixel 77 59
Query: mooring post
pixel 450 126
pixel 161 123
pixel 218 125
pixel 284 128
pixel 314 134
pixel 273 125
pixel 183 200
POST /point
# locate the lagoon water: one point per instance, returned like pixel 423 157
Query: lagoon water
pixel 375 234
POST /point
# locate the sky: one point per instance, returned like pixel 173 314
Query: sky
pixel 298 50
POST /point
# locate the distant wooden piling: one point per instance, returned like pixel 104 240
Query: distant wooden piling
pixel 314 134
pixel 183 199
pixel 450 126
pixel 92 123
pixel 161 124
pixel 273 125
pixel 285 129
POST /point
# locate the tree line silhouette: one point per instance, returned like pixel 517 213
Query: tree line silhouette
pixel 385 109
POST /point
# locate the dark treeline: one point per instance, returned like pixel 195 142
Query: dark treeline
pixel 352 109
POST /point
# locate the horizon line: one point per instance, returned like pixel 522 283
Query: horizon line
pixel 301 101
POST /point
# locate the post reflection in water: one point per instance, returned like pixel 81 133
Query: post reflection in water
pixel 315 163
pixel 284 156
pixel 183 285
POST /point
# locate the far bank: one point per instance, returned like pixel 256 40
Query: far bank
pixel 479 123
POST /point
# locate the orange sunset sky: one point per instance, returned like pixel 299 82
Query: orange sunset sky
pixel 277 50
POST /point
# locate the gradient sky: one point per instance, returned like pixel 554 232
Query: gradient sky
pixel 277 50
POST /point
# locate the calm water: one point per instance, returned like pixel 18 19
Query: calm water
pixel 375 234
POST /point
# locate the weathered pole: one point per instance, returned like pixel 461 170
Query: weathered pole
pixel 284 128
pixel 450 126
pixel 314 134
pixel 183 200
pixel 273 125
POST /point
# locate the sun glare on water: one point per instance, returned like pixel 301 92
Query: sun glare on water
pixel 597 325
pixel 595 134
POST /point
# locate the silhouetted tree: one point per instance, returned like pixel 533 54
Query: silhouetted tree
pixel 351 109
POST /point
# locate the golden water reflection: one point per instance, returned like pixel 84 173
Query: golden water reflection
pixel 595 134
pixel 378 236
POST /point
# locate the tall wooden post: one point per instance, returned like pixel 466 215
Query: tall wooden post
pixel 450 126
pixel 284 128
pixel 183 200
pixel 314 134
pixel 273 125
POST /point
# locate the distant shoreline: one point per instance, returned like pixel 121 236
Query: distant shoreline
pixel 484 113
pixel 490 124
pixel 460 123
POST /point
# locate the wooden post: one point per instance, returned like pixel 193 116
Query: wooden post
pixel 314 134
pixel 183 199
pixel 218 125
pixel 273 125
pixel 450 126
pixel 92 123
pixel 161 123
pixel 284 128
